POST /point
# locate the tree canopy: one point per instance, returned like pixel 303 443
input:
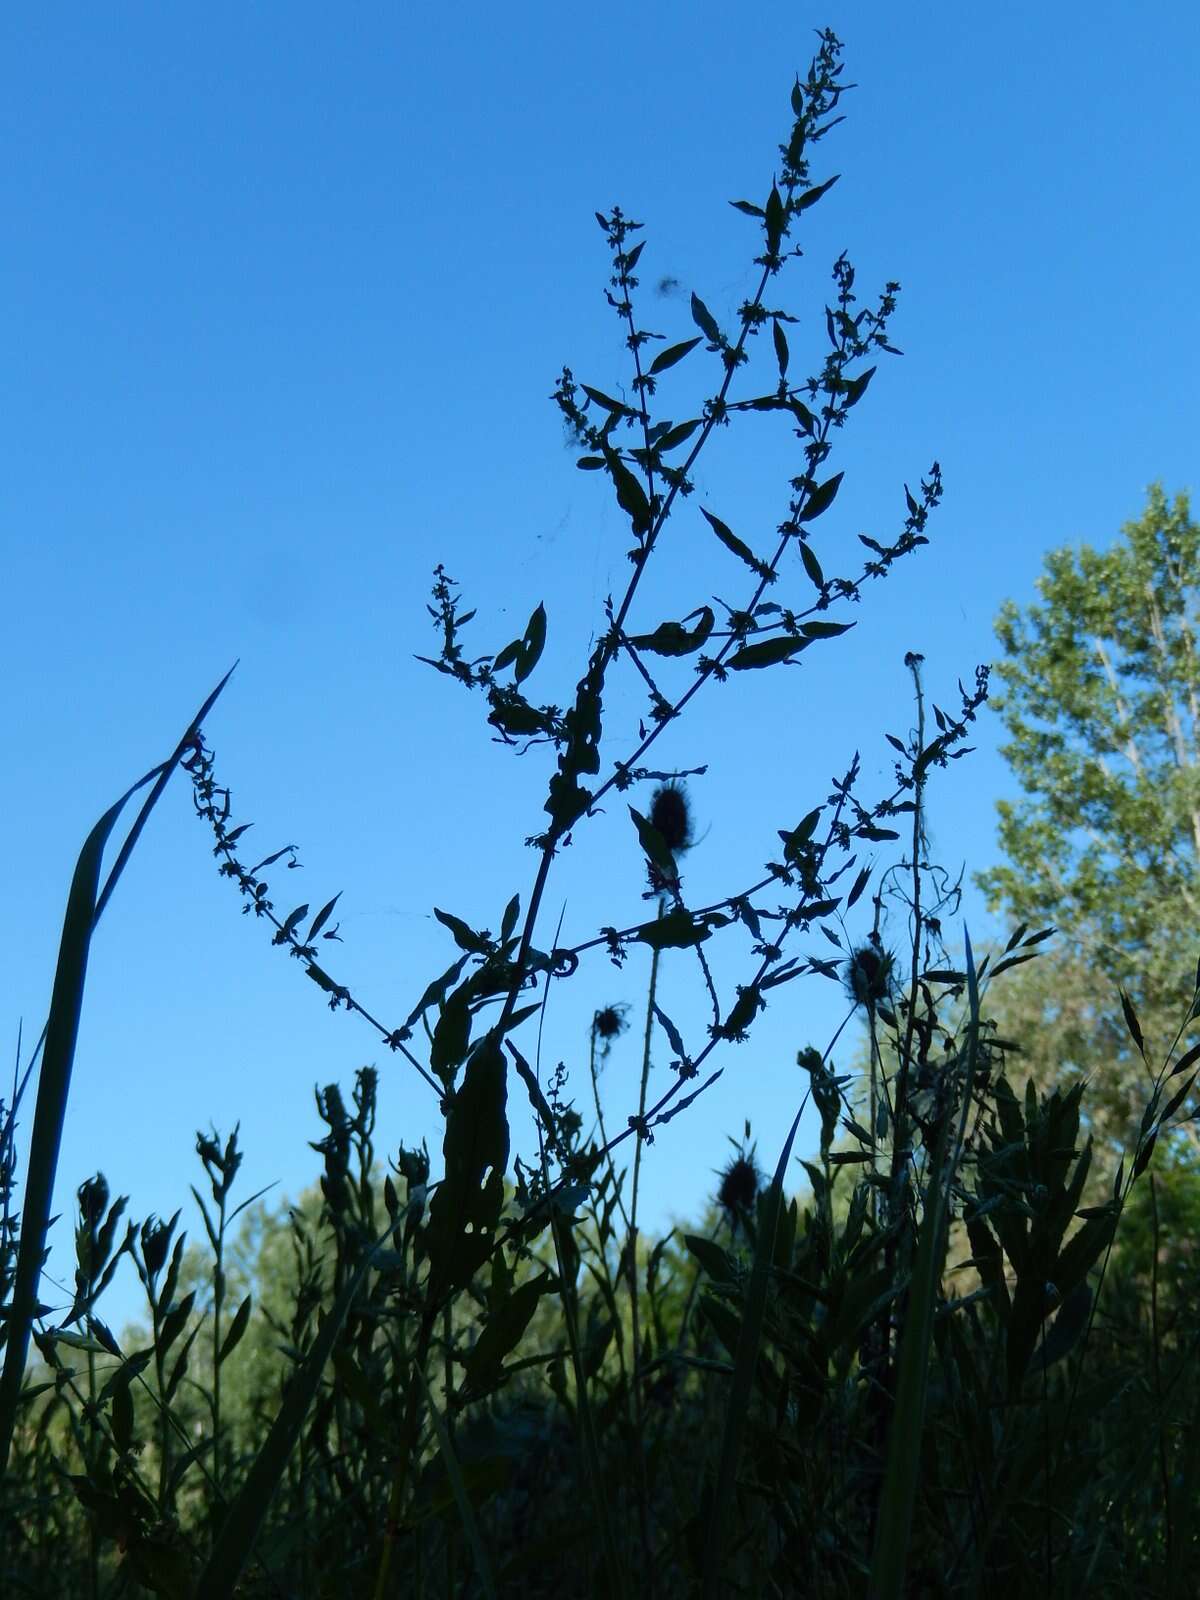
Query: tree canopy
pixel 1101 701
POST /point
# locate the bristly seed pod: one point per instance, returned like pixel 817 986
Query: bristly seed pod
pixel 670 813
pixel 869 974
pixel 608 1024
pixel 739 1185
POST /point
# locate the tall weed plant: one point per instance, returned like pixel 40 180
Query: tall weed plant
pixel 474 1376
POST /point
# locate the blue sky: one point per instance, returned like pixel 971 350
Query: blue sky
pixel 286 290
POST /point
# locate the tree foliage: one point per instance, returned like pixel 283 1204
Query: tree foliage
pixel 1101 700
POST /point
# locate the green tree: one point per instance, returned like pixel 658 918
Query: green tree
pixel 1101 700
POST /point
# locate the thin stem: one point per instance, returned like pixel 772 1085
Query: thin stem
pixel 1163 1471
pixel 639 1417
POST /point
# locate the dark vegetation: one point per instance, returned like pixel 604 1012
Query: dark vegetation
pixel 944 1369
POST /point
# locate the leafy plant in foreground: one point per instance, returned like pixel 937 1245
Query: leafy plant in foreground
pixel 471 1385
pixel 469 1013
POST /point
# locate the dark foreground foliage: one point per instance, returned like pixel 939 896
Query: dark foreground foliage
pixel 1057 1452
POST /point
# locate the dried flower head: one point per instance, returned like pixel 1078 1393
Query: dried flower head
pixel 739 1184
pixel 608 1024
pixel 869 974
pixel 671 814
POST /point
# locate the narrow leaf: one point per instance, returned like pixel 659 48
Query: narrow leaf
pixel 668 357
pixel 676 436
pixel 776 221
pixel 1131 1022
pixel 241 1321
pixel 464 937
pixel 820 498
pixel 532 645
pixel 631 497
pixel 653 843
pixel 811 196
pixel 811 565
pixel 766 652
pixel 704 320
pixel 617 407
pixel 857 387
pixel 322 917
pixel 83 911
pixel 731 542
pixel 781 347
pixel 860 883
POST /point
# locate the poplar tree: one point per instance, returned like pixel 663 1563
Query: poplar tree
pixel 1100 695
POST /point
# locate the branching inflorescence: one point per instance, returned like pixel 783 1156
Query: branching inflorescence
pixel 468 1012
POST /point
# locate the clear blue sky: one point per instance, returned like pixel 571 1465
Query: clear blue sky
pixel 285 291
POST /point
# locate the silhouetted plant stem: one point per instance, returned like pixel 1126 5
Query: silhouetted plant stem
pixel 1163 1468
pixel 564 1251
pixel 639 1417
pixel 604 1140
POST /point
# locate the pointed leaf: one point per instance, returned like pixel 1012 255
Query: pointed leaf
pixel 766 652
pixel 84 909
pixel 617 407
pixel 1187 1059
pixel 1176 1100
pixel 503 1329
pixel 856 388
pixel 464 937
pixel 1131 1022
pixel 671 1031
pixel 241 1321
pixel 776 222
pixel 825 630
pixel 712 1258
pixel 673 353
pixel 653 843
pixel 631 497
pixel 532 645
pixel 811 196
pixel 781 347
pixel 291 923
pixel 676 436
pixel 704 320
pixel 322 917
pixel 731 542
pixel 1064 1333
pixel 821 498
pixel 811 565
pixel 860 883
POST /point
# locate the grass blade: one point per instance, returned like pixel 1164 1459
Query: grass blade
pixel 54 1082
pixel 60 1035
